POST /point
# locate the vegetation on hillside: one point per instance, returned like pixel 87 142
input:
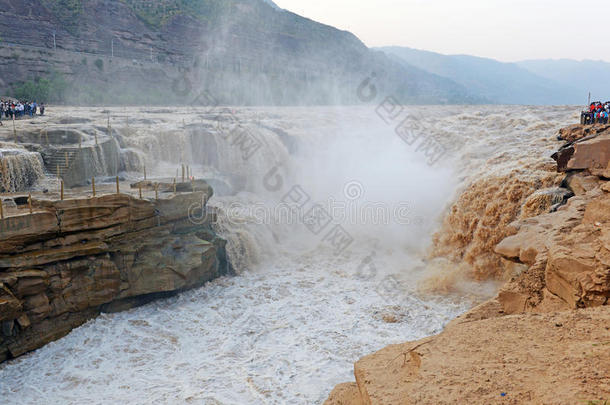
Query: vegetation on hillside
pixel 157 13
pixel 50 89
pixel 66 11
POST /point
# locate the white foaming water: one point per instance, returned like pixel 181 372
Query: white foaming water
pixel 283 334
pixel 291 324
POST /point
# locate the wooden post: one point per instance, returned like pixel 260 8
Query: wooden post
pixel 30 202
pixel 96 139
pixel 14 129
pixel 174 185
pixel 117 185
pixel 156 191
pixel 140 190
pixel 183 173
pixel 62 190
pixel 93 185
pixel 144 172
pixel 1 209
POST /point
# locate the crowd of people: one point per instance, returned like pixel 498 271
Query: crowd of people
pixel 11 109
pixel 597 114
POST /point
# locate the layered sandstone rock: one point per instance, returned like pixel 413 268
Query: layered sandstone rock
pixel 69 260
pixel 568 257
pixel 591 154
pixel 568 251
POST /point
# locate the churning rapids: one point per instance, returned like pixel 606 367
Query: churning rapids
pixel 303 306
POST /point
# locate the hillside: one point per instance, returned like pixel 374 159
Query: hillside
pixel 240 51
pixel 502 83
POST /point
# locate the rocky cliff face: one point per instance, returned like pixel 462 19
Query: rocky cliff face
pixel 69 260
pixel 567 252
pixel 544 338
pixel 242 52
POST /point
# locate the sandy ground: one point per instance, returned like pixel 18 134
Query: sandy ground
pixel 555 358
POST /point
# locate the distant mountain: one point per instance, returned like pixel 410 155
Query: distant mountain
pixel 271 3
pixel 169 51
pixel 586 76
pixel 502 83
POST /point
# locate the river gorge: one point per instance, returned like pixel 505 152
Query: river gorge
pixel 344 233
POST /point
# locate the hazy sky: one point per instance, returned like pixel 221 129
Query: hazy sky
pixel 508 30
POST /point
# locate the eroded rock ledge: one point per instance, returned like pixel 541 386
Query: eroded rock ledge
pixel 69 260
pixel 546 337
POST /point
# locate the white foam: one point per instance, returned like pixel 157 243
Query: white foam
pixel 281 334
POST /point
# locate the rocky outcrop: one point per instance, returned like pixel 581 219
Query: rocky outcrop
pixel 575 132
pixel 591 153
pixel 567 252
pixel 568 257
pixel 68 260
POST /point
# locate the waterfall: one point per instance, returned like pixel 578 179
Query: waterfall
pixel 19 169
pixel 301 310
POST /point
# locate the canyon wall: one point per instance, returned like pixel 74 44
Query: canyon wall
pixel 67 261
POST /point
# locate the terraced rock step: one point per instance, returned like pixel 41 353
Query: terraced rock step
pixel 58 161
